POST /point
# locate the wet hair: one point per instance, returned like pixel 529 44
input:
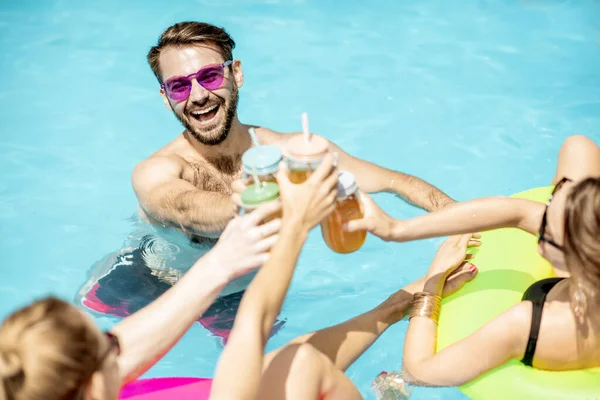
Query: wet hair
pixel 184 34
pixel 582 244
pixel 47 351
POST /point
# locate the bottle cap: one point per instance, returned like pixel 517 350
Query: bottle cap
pixel 265 159
pixel 346 184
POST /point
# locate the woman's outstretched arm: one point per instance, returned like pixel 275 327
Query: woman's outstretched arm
pixel 304 205
pixel 459 218
pixel 149 333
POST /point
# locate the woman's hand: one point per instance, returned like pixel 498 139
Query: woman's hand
pixel 451 255
pixel 245 243
pixel 375 220
pixel 308 203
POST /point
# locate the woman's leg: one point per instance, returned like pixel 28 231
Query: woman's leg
pixel 312 365
pixel 578 158
pixel 301 372
pixel 345 342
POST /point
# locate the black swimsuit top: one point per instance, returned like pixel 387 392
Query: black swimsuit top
pixel 536 293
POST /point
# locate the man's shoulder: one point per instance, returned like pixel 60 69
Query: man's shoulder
pixel 170 159
pixel 178 147
pixel 176 153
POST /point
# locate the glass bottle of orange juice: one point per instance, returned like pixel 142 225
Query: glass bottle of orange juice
pixel 264 160
pixel 347 208
pixel 303 156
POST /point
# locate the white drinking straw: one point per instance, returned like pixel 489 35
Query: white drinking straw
pixel 305 129
pixel 253 137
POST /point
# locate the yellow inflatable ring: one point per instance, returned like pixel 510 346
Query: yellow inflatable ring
pixel 508 263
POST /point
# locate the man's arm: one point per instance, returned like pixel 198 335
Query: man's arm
pixel 165 196
pixel 372 178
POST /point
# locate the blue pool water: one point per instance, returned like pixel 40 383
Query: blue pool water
pixel 475 99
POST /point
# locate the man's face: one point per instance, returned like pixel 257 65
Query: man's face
pixel 206 114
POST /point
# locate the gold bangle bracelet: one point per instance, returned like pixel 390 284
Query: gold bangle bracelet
pixel 426 305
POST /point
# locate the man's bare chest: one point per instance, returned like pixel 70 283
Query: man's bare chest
pixel 215 175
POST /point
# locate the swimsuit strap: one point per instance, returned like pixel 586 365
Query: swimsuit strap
pixel 536 293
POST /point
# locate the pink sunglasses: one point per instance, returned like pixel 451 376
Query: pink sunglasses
pixel 210 77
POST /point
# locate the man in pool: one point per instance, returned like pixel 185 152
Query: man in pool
pixel 187 184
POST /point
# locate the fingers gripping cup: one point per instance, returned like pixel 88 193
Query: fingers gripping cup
pixel 264 160
pixel 347 209
pixel 304 156
pixel 257 194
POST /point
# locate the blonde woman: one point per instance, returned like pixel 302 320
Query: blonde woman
pixel 51 350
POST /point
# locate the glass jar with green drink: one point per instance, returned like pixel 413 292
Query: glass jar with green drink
pixel 257 194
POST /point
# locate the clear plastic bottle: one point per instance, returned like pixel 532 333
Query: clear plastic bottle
pixel 348 208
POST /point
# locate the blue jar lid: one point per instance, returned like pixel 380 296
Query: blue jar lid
pixel 265 159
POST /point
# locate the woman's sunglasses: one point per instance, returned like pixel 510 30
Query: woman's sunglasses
pixel 542 237
pixel 210 77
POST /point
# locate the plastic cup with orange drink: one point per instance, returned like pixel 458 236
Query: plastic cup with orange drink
pixel 304 153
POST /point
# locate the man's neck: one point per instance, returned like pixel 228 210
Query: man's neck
pixel 237 142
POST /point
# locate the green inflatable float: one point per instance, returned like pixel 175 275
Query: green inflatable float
pixel 508 263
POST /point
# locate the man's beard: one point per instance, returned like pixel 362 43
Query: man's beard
pixel 221 131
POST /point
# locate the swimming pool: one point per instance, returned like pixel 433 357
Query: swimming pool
pixel 475 99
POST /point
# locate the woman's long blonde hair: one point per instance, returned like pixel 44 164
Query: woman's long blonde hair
pixel 582 247
pixel 48 350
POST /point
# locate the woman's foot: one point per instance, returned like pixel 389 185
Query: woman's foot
pixel 463 274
